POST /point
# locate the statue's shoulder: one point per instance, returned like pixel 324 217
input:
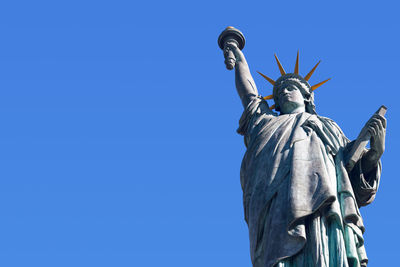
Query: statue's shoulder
pixel 256 112
pixel 259 106
pixel 266 109
pixel 326 119
pixel 331 124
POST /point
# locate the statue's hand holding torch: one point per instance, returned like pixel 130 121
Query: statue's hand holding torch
pixel 229 54
pixel 231 40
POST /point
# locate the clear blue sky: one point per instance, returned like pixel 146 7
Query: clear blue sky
pixel 118 142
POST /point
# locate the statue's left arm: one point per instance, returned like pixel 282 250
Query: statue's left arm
pixel 366 173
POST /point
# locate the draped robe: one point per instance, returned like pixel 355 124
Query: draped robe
pixel 300 203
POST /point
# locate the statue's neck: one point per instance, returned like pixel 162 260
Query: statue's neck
pixel 295 110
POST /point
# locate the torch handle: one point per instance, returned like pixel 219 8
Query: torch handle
pixel 230 58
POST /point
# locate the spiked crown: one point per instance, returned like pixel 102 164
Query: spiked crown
pixel 294 75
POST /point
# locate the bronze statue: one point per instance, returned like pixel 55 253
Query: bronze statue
pixel 303 181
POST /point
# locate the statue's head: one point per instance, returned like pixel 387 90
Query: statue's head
pixel 292 91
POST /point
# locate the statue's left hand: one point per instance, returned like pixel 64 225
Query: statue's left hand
pixel 376 127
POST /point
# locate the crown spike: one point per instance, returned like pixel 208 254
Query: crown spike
pixel 267 78
pixel 296 68
pixel 319 84
pixel 308 76
pixel 268 97
pixel 280 65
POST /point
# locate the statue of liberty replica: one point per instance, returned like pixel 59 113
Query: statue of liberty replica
pixel 303 181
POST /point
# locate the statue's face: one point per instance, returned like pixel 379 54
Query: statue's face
pixel 290 98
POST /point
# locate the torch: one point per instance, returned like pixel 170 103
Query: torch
pixel 230 34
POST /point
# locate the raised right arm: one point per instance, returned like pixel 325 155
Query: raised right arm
pixel 245 84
